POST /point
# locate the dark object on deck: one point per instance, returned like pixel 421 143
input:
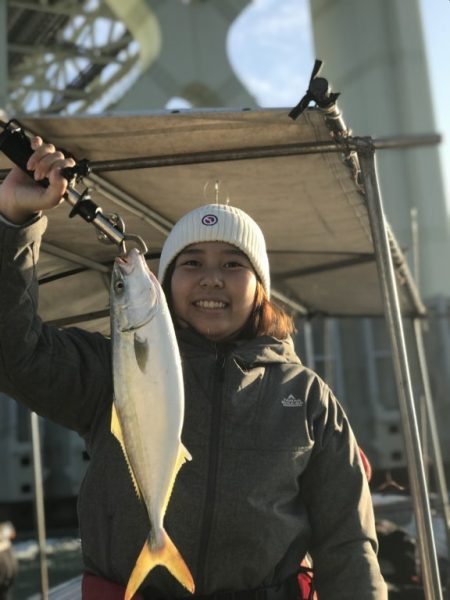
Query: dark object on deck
pixel 398 562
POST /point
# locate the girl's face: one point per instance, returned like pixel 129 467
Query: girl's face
pixel 213 289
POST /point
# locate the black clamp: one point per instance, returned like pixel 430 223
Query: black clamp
pixel 85 207
pixel 75 174
pixel 318 91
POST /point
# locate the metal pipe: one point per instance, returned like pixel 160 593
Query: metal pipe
pixel 39 503
pixel 415 245
pixel 75 258
pixel 73 198
pixel 309 345
pixel 351 144
pixel 404 274
pixel 211 156
pixel 4 71
pixel 291 302
pixel 425 535
pixel 415 266
pixel 131 204
pixel 326 267
pixel 433 430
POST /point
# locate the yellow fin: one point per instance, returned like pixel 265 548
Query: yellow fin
pixel 116 430
pixel 166 555
pixel 183 456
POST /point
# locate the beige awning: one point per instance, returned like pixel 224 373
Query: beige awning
pixel 308 204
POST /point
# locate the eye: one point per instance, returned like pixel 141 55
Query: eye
pixel 192 262
pixel 119 286
pixel 233 264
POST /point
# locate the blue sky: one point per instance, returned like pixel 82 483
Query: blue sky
pixel 278 30
pixel 261 46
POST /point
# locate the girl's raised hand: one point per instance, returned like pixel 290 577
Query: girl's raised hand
pixel 21 197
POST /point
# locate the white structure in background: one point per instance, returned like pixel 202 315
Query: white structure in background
pixel 192 63
pixel 375 55
pixel 67 57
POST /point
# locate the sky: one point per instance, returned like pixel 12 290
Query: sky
pixel 278 30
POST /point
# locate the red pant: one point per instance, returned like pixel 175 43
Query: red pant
pixel 97 588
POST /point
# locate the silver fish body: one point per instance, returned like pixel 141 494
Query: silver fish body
pixel 148 409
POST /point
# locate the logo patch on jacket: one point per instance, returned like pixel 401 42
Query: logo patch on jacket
pixel 291 401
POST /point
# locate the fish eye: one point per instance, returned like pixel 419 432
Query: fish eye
pixel 119 286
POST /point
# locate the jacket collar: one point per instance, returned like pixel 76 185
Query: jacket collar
pixel 257 351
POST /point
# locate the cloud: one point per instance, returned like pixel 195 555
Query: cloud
pixel 271 50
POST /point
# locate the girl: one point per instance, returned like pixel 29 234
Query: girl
pixel 276 471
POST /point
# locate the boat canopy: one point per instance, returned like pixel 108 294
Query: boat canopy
pixel 152 168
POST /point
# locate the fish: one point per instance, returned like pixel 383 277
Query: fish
pixel 148 406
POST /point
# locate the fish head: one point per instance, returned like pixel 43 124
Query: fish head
pixel 135 291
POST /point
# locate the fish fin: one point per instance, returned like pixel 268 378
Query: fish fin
pixel 116 430
pixel 183 456
pixel 141 352
pixel 166 554
pixel 187 454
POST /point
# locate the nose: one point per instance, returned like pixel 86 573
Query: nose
pixel 212 278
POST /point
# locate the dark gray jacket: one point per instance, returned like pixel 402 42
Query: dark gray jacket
pixel 275 471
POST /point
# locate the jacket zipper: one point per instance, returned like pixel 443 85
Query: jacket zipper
pixel 211 482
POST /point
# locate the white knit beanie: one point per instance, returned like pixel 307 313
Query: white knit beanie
pixel 218 223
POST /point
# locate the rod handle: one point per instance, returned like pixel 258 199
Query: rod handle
pixel 16 145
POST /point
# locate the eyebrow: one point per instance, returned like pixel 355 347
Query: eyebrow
pixel 234 251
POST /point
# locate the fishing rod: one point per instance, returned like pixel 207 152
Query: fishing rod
pixel 16 145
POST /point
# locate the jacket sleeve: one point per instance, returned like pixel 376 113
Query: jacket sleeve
pixel 336 493
pixel 63 375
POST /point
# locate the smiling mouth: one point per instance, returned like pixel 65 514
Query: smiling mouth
pixel 210 304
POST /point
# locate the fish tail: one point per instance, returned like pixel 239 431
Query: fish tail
pixel 165 554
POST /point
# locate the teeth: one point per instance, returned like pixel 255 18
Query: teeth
pixel 210 304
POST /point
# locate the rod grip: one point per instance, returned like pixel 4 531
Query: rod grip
pixel 16 145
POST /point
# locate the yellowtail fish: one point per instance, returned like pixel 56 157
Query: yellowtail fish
pixel 148 409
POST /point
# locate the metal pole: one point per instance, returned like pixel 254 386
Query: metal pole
pixel 434 436
pixel 425 536
pixel 39 501
pixel 351 144
pixel 4 80
pixel 328 352
pixel 423 423
pixel 211 156
pixel 309 345
pixel 415 245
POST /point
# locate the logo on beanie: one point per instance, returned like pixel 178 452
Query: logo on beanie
pixel 209 220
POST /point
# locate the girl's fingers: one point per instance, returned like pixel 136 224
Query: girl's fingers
pixel 36 142
pixel 46 161
pixel 40 150
pixel 51 162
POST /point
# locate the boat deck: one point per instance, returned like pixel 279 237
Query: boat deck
pixel 69 590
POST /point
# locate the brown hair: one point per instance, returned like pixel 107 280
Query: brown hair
pixel 266 317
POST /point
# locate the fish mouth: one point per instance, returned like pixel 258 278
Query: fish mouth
pixel 210 304
pixel 125 263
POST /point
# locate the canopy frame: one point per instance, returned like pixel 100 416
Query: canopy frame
pixel 425 537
